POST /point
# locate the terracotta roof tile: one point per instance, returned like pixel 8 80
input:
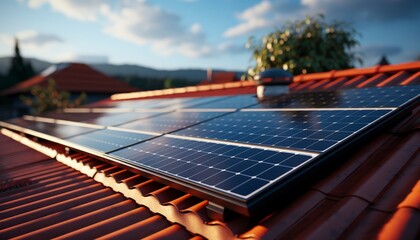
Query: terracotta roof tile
pixel 380 76
pixel 75 77
pixel 372 192
pixel 405 222
pixel 57 201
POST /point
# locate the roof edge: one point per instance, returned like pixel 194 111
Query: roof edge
pixel 408 66
pixel 191 220
pixel 189 89
pixel 336 74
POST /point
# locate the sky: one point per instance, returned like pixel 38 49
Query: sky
pixel 175 34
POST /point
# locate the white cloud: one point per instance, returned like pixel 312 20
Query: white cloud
pixel 361 10
pixel 252 19
pixel 269 14
pixel 145 24
pixel 32 39
pixel 196 28
pixel 34 44
pixel 83 10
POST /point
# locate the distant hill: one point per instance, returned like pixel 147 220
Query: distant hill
pixel 122 70
pixel 38 65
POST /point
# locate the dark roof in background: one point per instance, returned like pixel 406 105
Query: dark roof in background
pixel 73 77
pixel 220 77
pixel 374 193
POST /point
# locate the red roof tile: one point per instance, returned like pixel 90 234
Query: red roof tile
pixel 220 77
pixel 373 193
pixel 47 199
pixel 378 76
pixel 74 77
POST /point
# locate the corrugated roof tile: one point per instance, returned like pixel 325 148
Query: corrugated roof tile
pixel 353 199
pixel 61 202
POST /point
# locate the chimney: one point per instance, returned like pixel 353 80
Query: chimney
pixel 209 75
pixel 272 82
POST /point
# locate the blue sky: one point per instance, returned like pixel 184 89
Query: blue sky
pixel 172 34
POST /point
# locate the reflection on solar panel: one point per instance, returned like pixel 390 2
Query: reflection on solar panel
pixel 303 130
pixel 235 102
pixel 234 170
pixel 103 119
pixel 347 98
pixel 113 119
pixel 174 103
pixel 108 140
pixel 238 158
pixel 171 121
pixel 56 130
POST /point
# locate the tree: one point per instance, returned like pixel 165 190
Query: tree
pixel 49 98
pixel 305 46
pixel 19 70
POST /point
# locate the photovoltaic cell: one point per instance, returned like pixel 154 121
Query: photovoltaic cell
pixel 346 98
pixel 108 140
pixel 171 121
pixel 301 130
pixel 232 170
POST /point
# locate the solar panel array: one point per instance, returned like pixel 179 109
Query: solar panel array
pixel 241 171
pixel 301 130
pixel 236 146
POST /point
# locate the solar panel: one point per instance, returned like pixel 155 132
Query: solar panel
pixel 302 130
pixel 230 170
pixel 74 116
pixel 173 103
pixel 171 121
pixel 61 131
pixel 235 102
pixel 345 98
pixel 103 119
pixel 114 119
pixel 237 158
pixel 106 140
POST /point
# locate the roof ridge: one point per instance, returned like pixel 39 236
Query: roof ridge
pixel 188 89
pixel 408 66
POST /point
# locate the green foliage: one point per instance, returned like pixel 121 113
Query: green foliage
pixel 19 69
pixel 49 98
pixel 305 46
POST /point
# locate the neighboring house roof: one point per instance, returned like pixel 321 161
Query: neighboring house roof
pixel 377 76
pixel 375 193
pixel 72 77
pixel 220 77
